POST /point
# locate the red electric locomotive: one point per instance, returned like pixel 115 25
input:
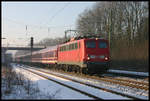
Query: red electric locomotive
pixel 90 54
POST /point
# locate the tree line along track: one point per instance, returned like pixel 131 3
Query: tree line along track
pixel 100 88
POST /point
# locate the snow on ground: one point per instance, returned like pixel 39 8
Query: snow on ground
pixel 49 87
pixel 123 89
pixel 130 72
pixel 19 92
pixel 16 86
pixel 99 93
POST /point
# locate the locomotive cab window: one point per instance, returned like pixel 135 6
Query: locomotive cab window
pixel 102 44
pixel 90 44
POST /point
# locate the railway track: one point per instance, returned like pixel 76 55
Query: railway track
pixel 73 88
pixel 100 88
pixel 135 75
pixel 122 81
pixel 126 82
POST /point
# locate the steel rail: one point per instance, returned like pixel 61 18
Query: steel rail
pixel 82 92
pixel 130 81
pixel 124 83
pixel 108 90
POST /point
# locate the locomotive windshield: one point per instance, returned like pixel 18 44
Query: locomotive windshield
pixel 90 44
pixel 102 44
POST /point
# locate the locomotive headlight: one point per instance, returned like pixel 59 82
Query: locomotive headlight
pixel 92 56
pixel 106 58
pixel 88 57
pixel 102 56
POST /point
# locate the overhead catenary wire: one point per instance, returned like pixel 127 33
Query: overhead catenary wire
pixel 61 9
pixel 28 26
pixel 31 25
pixel 52 17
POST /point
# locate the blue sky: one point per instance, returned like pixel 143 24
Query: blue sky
pixel 38 17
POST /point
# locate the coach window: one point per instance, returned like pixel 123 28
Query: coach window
pixel 67 47
pixel 62 48
pixel 72 46
pixel 46 54
pixel 50 54
pixel 90 44
pixel 79 44
pixel 76 45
